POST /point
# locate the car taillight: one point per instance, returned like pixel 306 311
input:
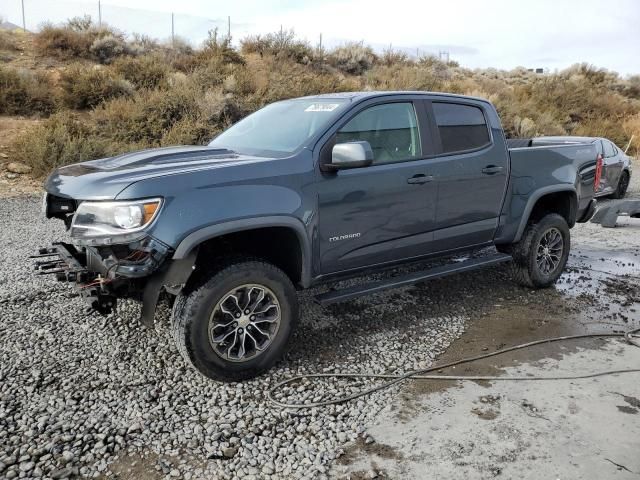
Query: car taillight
pixel 596 180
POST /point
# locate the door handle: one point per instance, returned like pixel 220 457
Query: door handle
pixel 491 169
pixel 420 179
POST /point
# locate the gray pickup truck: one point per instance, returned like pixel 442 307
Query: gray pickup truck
pixel 305 192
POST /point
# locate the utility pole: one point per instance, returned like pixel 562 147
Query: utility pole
pixel 99 14
pixel 229 27
pixel 24 23
pixel 173 38
pixel 320 44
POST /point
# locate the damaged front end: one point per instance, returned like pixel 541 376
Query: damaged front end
pixel 112 255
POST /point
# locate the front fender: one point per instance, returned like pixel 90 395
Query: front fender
pixel 191 241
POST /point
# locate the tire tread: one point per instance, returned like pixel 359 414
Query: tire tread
pixel 521 251
pixel 185 309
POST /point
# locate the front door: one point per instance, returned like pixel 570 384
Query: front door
pixel 383 212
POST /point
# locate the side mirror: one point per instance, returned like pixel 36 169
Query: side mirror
pixel 350 155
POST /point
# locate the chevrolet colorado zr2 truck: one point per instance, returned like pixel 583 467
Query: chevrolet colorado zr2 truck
pixel 305 192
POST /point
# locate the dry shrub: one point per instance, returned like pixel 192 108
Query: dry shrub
pixel 219 109
pixel 147 117
pixel 400 77
pixel 8 41
pixel 278 80
pixel 353 58
pixel 86 87
pixel 239 82
pixel 173 94
pixel 210 74
pixel 60 140
pixel 282 44
pixel 80 24
pixel 63 43
pixel 80 38
pixel 191 130
pixel 220 48
pixel 106 49
pixel 180 55
pixel 392 57
pixel 25 93
pixel 143 44
pixel 524 127
pixel 631 128
pixel 149 71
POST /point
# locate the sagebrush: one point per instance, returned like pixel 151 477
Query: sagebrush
pixel 112 94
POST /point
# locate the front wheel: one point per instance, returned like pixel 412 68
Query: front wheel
pixel 541 255
pixel 237 323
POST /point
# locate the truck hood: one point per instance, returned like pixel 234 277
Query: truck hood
pixel 103 179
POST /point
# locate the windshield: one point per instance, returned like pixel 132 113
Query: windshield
pixel 281 128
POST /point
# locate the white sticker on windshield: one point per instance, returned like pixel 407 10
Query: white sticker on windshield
pixel 322 107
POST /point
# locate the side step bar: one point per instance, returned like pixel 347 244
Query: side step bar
pixel 335 296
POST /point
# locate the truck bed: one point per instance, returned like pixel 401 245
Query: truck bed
pixel 555 164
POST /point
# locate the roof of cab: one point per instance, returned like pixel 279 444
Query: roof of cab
pixel 372 94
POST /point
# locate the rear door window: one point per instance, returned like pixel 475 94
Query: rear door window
pixel 609 150
pixel 461 127
pixel 391 129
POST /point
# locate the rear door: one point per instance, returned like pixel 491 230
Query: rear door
pixel 471 168
pixel 384 212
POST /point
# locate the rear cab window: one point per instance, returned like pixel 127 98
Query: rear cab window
pixel 461 127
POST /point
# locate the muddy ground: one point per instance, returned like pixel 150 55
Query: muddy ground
pixel 585 428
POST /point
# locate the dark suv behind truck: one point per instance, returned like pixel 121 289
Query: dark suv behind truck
pixel 304 192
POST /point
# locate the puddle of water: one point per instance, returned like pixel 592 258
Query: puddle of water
pixel 586 301
pixel 588 269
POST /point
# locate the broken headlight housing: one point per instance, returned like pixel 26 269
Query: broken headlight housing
pixel 103 223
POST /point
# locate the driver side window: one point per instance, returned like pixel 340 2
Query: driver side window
pixel 391 129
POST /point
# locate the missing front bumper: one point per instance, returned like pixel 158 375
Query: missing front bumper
pixel 69 264
pixel 102 276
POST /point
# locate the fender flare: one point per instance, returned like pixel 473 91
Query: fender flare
pixel 533 199
pixel 191 241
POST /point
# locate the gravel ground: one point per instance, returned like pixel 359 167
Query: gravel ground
pixel 82 395
pixel 91 396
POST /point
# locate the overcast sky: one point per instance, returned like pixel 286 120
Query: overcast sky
pixel 552 34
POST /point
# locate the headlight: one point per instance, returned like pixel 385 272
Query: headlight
pixel 111 222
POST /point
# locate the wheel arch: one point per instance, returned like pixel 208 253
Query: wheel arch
pixel 296 263
pixel 559 199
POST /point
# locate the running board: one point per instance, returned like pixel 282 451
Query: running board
pixel 334 296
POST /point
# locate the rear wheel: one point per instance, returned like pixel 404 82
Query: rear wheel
pixel 541 255
pixel 623 185
pixel 237 323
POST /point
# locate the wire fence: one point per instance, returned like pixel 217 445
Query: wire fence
pixel 32 14
pixel 166 25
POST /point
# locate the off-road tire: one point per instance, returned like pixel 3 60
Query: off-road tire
pixel 192 311
pixel 623 185
pixel 524 267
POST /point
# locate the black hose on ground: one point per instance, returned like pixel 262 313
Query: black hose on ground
pixel 629 336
